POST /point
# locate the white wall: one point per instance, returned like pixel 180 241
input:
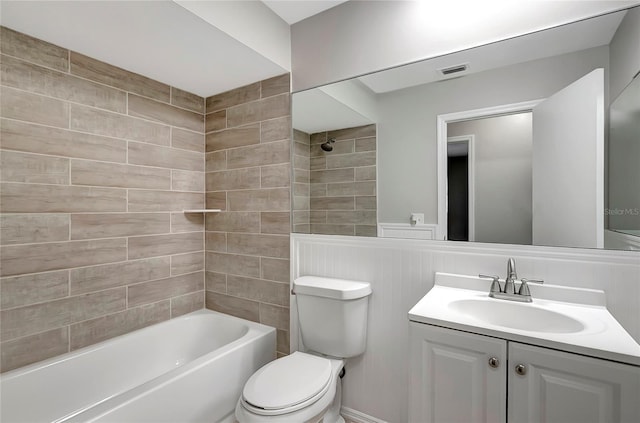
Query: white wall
pixel 625 52
pixel 407 174
pixel 359 37
pixel 502 158
pixel 402 271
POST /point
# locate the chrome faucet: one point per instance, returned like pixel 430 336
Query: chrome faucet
pixel 509 292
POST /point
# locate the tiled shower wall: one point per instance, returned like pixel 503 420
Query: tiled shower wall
pixel 97 165
pixel 248 165
pixel 342 183
pixel 301 185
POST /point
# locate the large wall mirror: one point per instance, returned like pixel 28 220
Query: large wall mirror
pixel 533 140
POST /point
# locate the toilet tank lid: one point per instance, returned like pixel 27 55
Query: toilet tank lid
pixel 339 289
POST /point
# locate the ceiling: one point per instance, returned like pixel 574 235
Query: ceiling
pixel 295 11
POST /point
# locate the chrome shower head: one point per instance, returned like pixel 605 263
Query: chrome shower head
pixel 328 146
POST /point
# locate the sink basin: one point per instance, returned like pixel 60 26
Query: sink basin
pixel 516 315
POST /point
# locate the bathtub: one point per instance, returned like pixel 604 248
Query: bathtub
pixel 188 369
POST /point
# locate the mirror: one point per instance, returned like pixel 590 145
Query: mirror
pixel 397 114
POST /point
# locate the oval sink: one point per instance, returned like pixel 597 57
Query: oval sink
pixel 517 316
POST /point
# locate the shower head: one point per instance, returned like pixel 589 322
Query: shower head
pixel 328 146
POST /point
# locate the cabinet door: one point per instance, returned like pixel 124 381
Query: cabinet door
pixel 451 379
pixel 559 387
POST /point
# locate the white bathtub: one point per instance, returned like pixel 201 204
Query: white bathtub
pixel 188 369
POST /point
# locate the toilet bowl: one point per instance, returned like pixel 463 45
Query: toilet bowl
pixel 306 386
pixel 297 388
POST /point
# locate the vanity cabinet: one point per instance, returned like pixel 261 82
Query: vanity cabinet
pixel 457 376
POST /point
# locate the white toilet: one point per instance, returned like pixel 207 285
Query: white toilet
pixel 306 387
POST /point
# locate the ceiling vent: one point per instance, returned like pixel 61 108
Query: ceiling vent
pixel 454 69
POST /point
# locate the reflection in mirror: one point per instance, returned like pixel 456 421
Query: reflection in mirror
pixel 404 104
pixel 624 167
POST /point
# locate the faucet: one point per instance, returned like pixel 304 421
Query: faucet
pixel 509 292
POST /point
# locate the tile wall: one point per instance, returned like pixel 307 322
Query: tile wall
pixel 340 198
pixel 248 166
pixel 97 164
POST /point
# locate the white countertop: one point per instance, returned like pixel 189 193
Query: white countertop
pixel 601 336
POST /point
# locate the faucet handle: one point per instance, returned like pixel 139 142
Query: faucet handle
pixel 495 285
pixel 524 287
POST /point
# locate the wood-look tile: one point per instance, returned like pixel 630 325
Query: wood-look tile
pixel 36 79
pixel 97 278
pixel 21 105
pixel 162 245
pixel 301 149
pixel 351 188
pixel 246 178
pixel 318 190
pixel 301 137
pixel 33 258
pixel 187 222
pixel 367 230
pixel 239 307
pixel 233 97
pixel 187 140
pixel 24 290
pixel 366 203
pixel 233 222
pixel 274 269
pixel 332 229
pixel 216 161
pixel 31 198
pixel 367 173
pixel 273 315
pixel 187 263
pixel 258 290
pixel 367 158
pixel 259 155
pixel 187 303
pixel 356 132
pixel 282 341
pixel 232 264
pixel 362 217
pixel 258 245
pixel 151 292
pixel 302 190
pixel 275 176
pixel 27 137
pixel 33 50
pixel 255 111
pixel 115 125
pixel 276 199
pixel 23 321
pixel 30 349
pixel 165 113
pixel 332 203
pixel 86 172
pixel 318 138
pixel 365 144
pixel 186 100
pixel 33 168
pixel 332 175
pixel 184 180
pixel 106 327
pixel 215 282
pixel 172 158
pixel 215 241
pixel 318 216
pixel 104 73
pixel 276 130
pixel 215 121
pixel 275 223
pixel 31 228
pixel 148 200
pixel 300 217
pixel 233 137
pixel 110 225
pixel 276 85
pixel 302 228
pixel 301 175
pixel 300 203
pixel 216 200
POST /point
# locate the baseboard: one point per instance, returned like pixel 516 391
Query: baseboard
pixel 357 416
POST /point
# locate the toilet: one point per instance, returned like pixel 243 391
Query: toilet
pixel 305 387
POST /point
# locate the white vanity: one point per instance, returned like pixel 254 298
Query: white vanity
pixel 562 358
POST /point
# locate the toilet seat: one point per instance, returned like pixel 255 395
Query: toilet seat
pixel 287 384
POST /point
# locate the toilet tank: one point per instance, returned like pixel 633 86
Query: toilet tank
pixel 332 314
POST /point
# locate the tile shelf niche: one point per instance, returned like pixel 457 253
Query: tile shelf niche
pixel 202 211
